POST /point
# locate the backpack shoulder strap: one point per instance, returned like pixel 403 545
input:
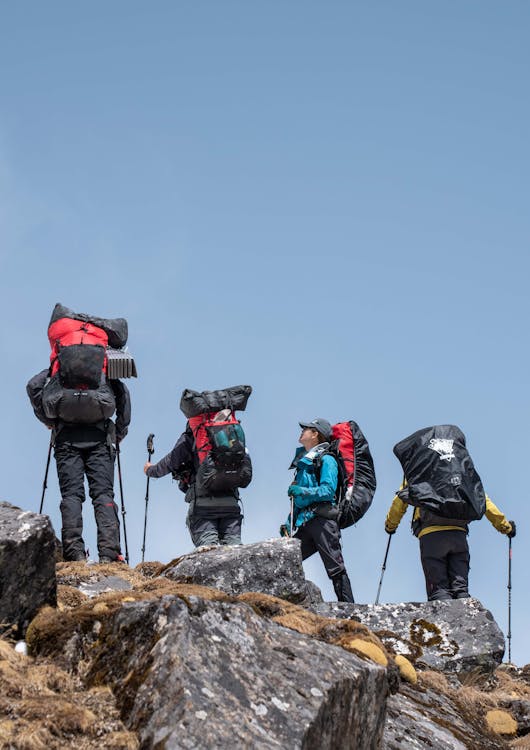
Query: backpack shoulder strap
pixel 332 451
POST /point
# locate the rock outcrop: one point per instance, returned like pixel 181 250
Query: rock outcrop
pixel 199 674
pixel 423 719
pixel 272 567
pixel 458 636
pixel 27 567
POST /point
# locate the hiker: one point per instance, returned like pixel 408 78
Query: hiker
pixel 313 501
pixel 74 399
pixel 440 480
pixel 211 463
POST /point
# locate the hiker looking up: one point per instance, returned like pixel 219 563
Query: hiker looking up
pixel 313 499
pixel 211 463
pixel 76 401
pixel 441 482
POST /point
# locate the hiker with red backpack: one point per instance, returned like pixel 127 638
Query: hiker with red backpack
pixel 325 496
pixel 441 483
pixel 75 399
pixel 211 463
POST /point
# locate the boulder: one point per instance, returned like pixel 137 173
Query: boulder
pixel 272 567
pixel 197 673
pixel 422 719
pixel 27 567
pixel 458 636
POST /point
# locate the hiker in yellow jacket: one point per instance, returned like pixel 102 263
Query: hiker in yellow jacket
pixel 443 546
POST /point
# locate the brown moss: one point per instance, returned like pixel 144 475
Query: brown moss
pixel 522 743
pixel 331 630
pixel 433 680
pixel 406 670
pixel 68 597
pixel 426 634
pixel 367 650
pixel 501 722
pixel 121 741
pixel 149 569
pixel 395 644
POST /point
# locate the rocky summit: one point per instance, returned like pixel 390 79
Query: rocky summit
pixel 458 636
pixel 233 648
pixel 27 567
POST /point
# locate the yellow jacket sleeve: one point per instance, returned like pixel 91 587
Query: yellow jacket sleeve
pixel 497 518
pixel 395 514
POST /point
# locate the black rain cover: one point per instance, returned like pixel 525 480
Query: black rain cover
pixel 115 328
pixel 440 473
pixel 194 403
pixel 353 508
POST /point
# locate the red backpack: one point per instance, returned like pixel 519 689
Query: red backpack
pixel 224 464
pixel 77 390
pixel 78 353
pixel 356 483
pixel 220 446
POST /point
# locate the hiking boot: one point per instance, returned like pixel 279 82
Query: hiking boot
pixel 77 557
pixel 106 559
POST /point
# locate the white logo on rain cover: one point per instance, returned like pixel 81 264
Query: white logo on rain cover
pixel 442 446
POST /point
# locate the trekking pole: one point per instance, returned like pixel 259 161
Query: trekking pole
pixel 509 638
pixel 150 451
pixel 383 569
pixel 45 482
pixel 292 518
pixel 123 511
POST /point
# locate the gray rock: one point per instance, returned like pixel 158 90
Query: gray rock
pixel 271 567
pixel 104 585
pixel 520 710
pixel 205 674
pixel 313 595
pixel 458 636
pixel 421 719
pixel 27 567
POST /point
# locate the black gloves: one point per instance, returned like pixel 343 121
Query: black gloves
pixel 513 531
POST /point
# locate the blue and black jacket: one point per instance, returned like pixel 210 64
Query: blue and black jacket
pixel 318 486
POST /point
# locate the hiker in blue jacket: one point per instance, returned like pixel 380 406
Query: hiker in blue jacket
pixel 313 499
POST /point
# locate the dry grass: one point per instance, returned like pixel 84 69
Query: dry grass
pixel 521 742
pixel 331 630
pixel 42 707
pixel 88 719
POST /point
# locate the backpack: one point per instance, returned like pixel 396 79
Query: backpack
pixel 77 390
pixel 440 473
pixel 219 440
pixel 356 474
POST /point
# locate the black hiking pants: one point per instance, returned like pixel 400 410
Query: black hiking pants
pixel 97 462
pixel 445 561
pixel 322 535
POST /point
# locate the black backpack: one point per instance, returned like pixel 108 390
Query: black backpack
pixel 222 461
pixel 440 474
pixel 356 482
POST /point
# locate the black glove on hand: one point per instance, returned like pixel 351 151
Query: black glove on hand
pixel 513 531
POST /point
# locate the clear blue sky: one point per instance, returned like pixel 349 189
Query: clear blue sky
pixel 328 201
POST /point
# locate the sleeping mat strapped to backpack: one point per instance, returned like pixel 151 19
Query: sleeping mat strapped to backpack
pixel 219 440
pixel 77 390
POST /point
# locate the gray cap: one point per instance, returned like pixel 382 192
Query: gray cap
pixel 319 424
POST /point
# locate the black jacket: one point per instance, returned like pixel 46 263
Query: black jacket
pixel 182 461
pixel 81 432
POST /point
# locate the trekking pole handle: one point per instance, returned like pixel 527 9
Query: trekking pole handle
pixel 150 447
